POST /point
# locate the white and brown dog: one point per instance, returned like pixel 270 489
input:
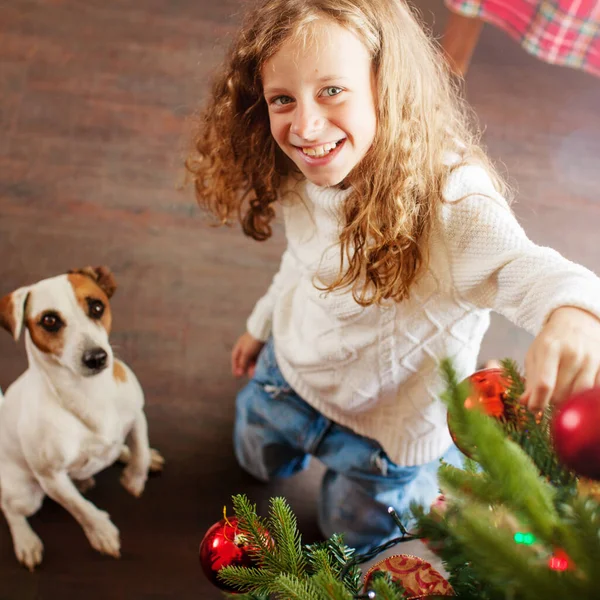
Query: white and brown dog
pixel 74 411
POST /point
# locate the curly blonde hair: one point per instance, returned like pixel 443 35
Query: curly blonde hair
pixel 238 168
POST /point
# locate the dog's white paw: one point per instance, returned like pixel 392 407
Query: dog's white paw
pixel 28 548
pixel 133 480
pixel 103 535
pixel 157 461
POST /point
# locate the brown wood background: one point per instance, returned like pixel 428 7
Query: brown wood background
pixel 94 98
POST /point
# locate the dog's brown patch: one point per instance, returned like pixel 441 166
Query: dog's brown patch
pixel 119 372
pixel 7 320
pixel 45 341
pixel 86 288
pixel 102 276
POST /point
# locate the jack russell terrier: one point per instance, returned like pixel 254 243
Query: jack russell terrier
pixel 72 411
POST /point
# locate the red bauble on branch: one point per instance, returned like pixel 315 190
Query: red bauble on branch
pixel 490 387
pixel 489 390
pixel 224 545
pixel 576 433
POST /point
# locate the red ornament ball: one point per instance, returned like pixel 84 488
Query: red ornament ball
pixel 576 435
pixel 489 389
pixel 224 545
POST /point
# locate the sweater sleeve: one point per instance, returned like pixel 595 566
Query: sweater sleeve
pixel 494 265
pixel 260 320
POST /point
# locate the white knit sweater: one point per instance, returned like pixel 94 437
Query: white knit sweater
pixel 375 369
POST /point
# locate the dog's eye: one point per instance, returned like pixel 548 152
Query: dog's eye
pixel 96 309
pixel 51 322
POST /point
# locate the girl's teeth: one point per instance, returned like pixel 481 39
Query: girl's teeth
pixel 319 151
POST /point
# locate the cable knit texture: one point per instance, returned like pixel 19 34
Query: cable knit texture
pixel 375 369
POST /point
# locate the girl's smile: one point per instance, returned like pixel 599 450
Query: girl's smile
pixel 321 154
pixel 319 89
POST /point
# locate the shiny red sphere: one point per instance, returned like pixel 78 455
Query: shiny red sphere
pixel 489 388
pixel 576 433
pixel 222 546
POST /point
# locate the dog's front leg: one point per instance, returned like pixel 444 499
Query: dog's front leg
pixel 96 523
pixel 136 472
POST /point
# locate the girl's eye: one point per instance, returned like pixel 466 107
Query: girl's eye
pixel 281 100
pixel 332 91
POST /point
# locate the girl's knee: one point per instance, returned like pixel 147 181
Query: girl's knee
pixel 248 444
pixel 347 507
pixel 260 447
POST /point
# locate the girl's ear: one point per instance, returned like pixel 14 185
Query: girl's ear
pixel 12 311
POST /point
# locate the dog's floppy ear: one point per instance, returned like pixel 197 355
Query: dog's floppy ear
pixel 102 276
pixel 12 311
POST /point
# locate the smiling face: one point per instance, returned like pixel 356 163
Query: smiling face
pixel 320 94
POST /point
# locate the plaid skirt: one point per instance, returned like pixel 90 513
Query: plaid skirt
pixel 562 32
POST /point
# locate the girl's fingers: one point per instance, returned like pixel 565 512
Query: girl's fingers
pixel 541 374
pixel 234 360
pixel 570 367
pixel 585 379
pixel 237 362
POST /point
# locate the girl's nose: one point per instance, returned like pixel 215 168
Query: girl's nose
pixel 307 121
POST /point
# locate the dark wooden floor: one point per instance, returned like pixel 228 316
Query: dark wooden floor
pixel 94 98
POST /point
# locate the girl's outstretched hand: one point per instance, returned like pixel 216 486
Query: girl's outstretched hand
pixel 563 359
pixel 244 355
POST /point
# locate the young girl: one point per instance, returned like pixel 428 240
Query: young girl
pixel 340 114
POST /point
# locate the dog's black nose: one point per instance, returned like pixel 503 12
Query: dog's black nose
pixel 95 358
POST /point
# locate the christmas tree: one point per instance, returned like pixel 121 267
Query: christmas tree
pixel 516 522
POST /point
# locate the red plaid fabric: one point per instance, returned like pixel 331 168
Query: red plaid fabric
pixel 563 32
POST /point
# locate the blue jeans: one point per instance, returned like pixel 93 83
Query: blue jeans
pixel 276 433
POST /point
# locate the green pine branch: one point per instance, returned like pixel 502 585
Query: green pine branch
pixel 532 436
pixel 329 587
pixel 286 537
pixel 339 559
pixel 496 558
pixel 579 538
pixel 284 567
pixel 290 587
pixel 386 589
pixel 519 475
pixel 510 471
pixel 258 581
pixel 513 480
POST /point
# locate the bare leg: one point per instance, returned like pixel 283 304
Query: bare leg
pixel 459 41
